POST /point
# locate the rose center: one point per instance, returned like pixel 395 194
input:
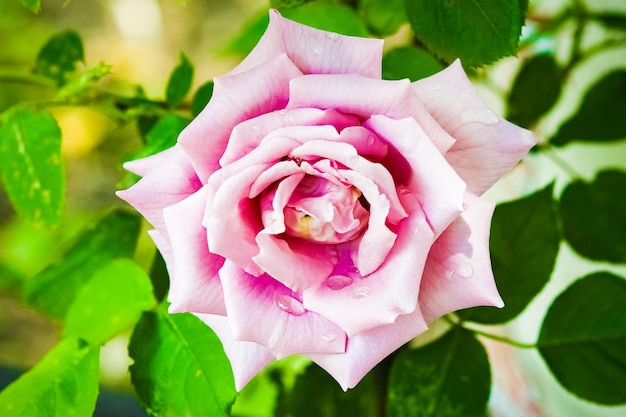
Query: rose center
pixel 325 211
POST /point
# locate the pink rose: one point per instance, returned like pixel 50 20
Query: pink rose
pixel 314 208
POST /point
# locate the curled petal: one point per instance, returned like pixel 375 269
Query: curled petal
pixel 161 186
pixel 246 358
pixel 439 188
pixel 194 282
pixel 487 146
pixel 316 51
pixel 232 220
pixel 358 303
pixel 248 134
pixel 296 263
pixel 235 98
pixel 365 350
pixel 264 311
pixel 458 271
pixel 354 94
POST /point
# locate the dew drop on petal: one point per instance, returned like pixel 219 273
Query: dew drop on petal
pixel 290 305
pixel 330 336
pixel 255 128
pixel 403 190
pixel 282 112
pixel 337 282
pixel 361 292
pixel 477 115
pixel 318 49
pixel 460 266
pixel 332 36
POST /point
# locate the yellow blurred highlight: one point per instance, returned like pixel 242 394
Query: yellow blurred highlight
pixel 82 128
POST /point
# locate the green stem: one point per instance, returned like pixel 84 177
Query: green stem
pixel 15 77
pixel 549 152
pixel 503 339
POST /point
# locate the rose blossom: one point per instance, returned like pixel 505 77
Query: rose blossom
pixel 314 208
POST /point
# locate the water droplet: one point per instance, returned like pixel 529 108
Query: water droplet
pixel 362 292
pixel 290 305
pixel 461 267
pixel 330 336
pixel 476 115
pixel 337 282
pixel 403 190
pixel 282 112
pixel 255 128
pixel 332 36
pixel 318 49
pixel 370 140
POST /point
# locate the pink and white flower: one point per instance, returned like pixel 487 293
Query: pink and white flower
pixel 314 208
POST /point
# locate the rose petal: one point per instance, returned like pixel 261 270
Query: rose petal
pixel 273 204
pixel 438 187
pixel 487 146
pixel 458 271
pixel 345 154
pixel 351 93
pixel 161 186
pixel 377 240
pixel 360 304
pixel 235 98
pixel 246 358
pixel 366 350
pixel 233 221
pixel 316 51
pixel 264 311
pixel 194 282
pixel 248 134
pixel 296 263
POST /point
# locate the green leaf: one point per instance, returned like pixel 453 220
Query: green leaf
pixel 477 31
pixel 600 117
pixel 330 400
pixel 179 82
pixel 180 368
pixel 33 5
pixel 583 338
pixel 247 38
pixel 449 377
pixel 201 98
pixel 612 20
pixel 81 83
pixel 524 244
pixel 332 17
pixel 409 62
pixel 159 277
pixel 594 216
pixel 31 165
pixel 64 383
pixel 58 57
pixel 53 289
pixel 536 89
pixel 287 4
pixel 162 135
pixel 383 17
pixel 110 302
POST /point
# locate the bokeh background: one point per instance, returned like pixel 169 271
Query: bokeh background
pixel 142 40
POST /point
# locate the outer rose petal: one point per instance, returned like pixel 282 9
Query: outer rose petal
pixel 351 93
pixel 316 51
pixel 458 270
pixel 194 283
pixel 246 358
pixel 235 98
pixel 264 311
pixel 366 350
pixel 439 189
pixel 487 146
pixel 168 183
